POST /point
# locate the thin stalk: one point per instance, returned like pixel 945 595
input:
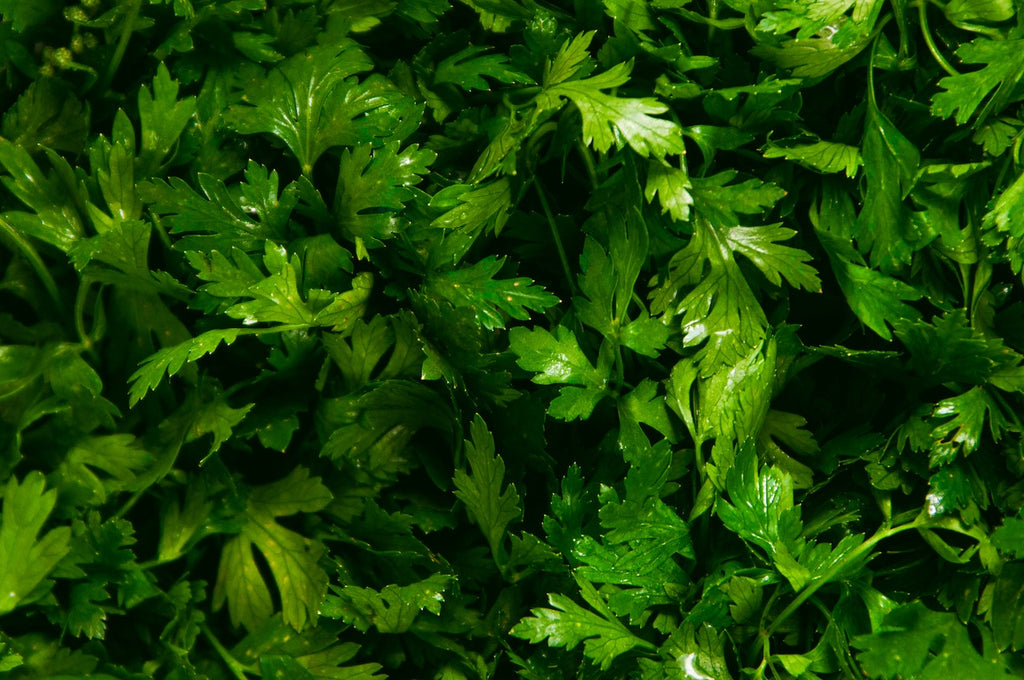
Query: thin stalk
pixel 24 246
pixel 122 43
pixel 234 665
pixel 80 299
pixel 566 269
pixel 588 164
pixel 922 11
pixel 832 572
pixel 901 21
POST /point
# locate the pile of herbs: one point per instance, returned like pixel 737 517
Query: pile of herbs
pixel 511 338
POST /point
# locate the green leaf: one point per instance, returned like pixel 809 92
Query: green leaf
pixel 1008 608
pixel 820 155
pixel 721 202
pixel 390 610
pixel 282 653
pixel 170 360
pixel 962 434
pixel 292 558
pixel 645 335
pixel 312 103
pixel 1009 537
pixel 890 167
pixel 23 16
pixel 467 68
pixel 47 115
pixel 366 434
pixel 481 488
pixel 243 216
pixel 56 218
pixel 491 300
pixel 613 121
pixel 469 211
pixel 99 466
pixel 1003 68
pixel 672 187
pixel 604 638
pixel 720 310
pixel 813 57
pixel 276 298
pixel 558 359
pixel 760 246
pixel 1003 225
pixel 163 117
pixel 25 558
pixel 761 509
pixel 979 11
pixel 373 187
pixel 916 642
pixel 949 349
pixel 573 56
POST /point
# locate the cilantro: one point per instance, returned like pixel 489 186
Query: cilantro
pixel 603 339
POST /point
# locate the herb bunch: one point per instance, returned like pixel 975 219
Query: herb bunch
pixel 482 339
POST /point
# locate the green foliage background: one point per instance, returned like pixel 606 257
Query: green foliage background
pixel 350 339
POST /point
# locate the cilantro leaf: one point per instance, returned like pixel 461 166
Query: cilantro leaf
pixel 55 217
pixel 721 308
pixel 163 117
pixel 572 57
pixel 47 115
pixel 293 559
pixel 276 298
pixel 25 558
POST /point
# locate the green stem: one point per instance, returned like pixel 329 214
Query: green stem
pixel 24 246
pixel 122 43
pixel 588 164
pixel 234 665
pixel 80 299
pixel 898 7
pixel 922 10
pixel 566 269
pixel 833 572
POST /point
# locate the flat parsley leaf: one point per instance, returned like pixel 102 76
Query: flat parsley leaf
pixel 311 103
pixel 491 300
pixel 481 488
pixel 916 642
pixel 603 636
pixel 373 186
pixel 610 120
pixel 1003 68
pixel 467 68
pixel 293 559
pixel 390 610
pixel 558 359
pixel 25 557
